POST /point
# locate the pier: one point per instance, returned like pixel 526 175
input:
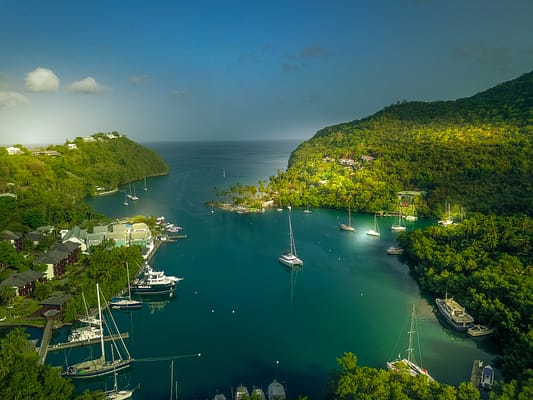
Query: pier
pixel 475 376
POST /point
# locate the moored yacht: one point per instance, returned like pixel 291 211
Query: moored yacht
pixel 455 314
pixel 154 282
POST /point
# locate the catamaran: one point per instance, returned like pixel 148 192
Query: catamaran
pixel 290 258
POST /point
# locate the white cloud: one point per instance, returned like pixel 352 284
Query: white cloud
pixel 11 99
pixel 42 80
pixel 88 86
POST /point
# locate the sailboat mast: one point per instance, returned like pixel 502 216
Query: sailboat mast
pixel 128 274
pixel 291 237
pixel 171 378
pixel 411 331
pixel 100 321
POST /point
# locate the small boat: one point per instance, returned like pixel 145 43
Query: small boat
pixel 126 303
pixel 407 365
pixel 479 330
pixel 145 187
pixel 487 377
pixel 454 314
pixel 84 334
pixel 394 250
pixel 275 391
pixel 290 258
pixel 219 396
pixel 241 393
pixel 125 200
pixel 348 227
pixel 374 231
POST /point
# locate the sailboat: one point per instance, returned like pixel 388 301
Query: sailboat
pixel 116 394
pixel 349 227
pixel 399 227
pixel 145 187
pixel 407 364
pixel 125 200
pixel 126 302
pixel 100 366
pixel 290 258
pixel 134 195
pixel 374 231
pixel 448 221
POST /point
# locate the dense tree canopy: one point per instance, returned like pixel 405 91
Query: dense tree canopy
pixel 476 152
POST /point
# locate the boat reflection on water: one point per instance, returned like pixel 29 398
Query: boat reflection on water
pixel 156 303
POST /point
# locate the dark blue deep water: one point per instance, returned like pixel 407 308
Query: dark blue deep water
pixel 250 318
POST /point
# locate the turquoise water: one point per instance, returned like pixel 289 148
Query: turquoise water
pixel 250 318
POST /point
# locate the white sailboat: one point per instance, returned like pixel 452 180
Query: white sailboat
pixel 125 200
pixel 126 302
pixel 448 221
pixel 100 366
pixel 117 394
pixel 399 227
pixel 134 195
pixel 349 227
pixel 374 231
pixel 145 187
pixel 290 258
pixel 407 365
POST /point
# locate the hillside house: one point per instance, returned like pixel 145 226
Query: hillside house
pixel 23 282
pixel 58 258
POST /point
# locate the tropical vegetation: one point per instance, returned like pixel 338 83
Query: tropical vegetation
pixel 48 185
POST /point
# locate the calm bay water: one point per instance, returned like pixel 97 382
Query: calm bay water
pixel 244 312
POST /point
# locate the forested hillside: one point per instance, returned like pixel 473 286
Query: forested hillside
pixel 476 152
pixel 47 186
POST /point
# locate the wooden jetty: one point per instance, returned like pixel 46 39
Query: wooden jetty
pixel 475 376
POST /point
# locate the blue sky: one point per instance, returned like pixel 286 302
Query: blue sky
pixel 229 69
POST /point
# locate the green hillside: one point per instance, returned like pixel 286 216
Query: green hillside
pixel 476 153
pixel 48 185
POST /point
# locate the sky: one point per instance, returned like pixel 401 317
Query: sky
pixel 230 70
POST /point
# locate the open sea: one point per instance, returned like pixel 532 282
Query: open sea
pixel 251 319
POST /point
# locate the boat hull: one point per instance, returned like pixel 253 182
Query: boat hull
pixel 125 304
pixel 290 260
pixel 347 228
pixel 409 367
pixel 153 289
pixel 96 368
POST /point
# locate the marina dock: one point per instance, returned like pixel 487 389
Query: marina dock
pixel 475 376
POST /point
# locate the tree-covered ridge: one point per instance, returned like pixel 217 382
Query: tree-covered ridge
pixel 50 184
pixel 476 151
